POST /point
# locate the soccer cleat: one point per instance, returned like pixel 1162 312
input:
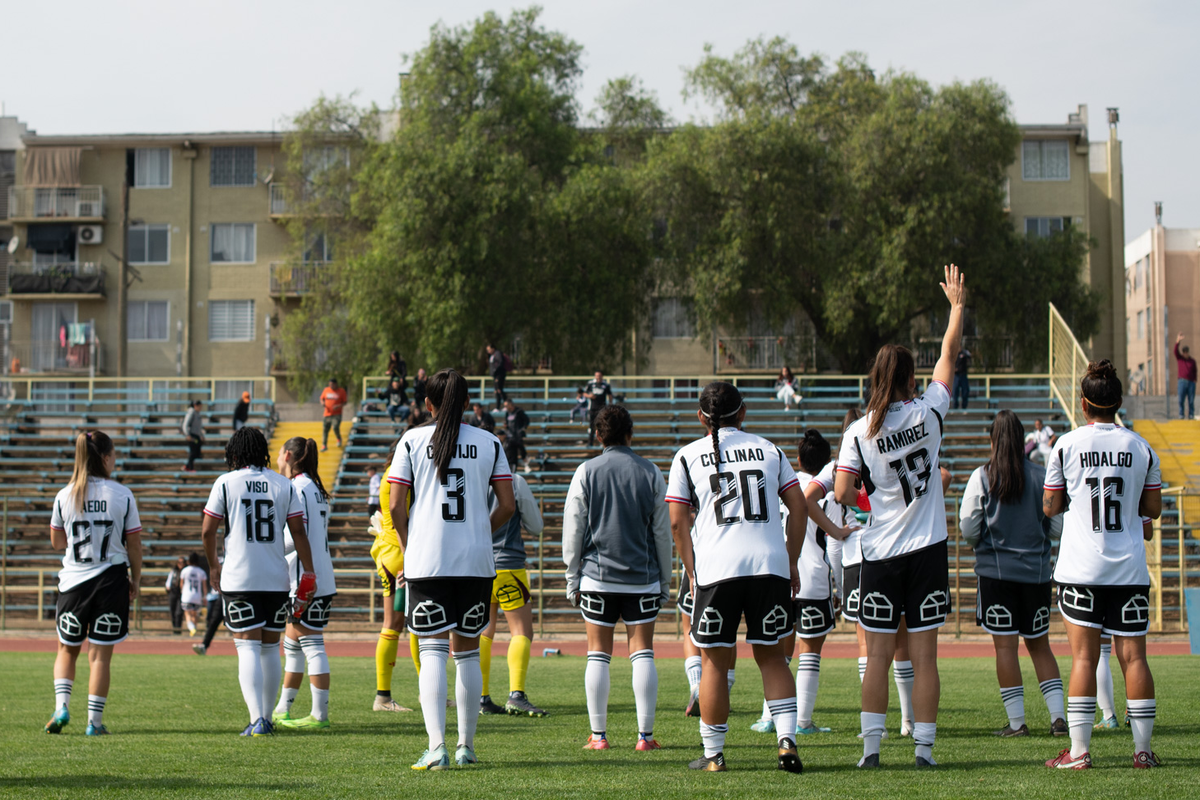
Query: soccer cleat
pixel 869 762
pixel 247 730
pixel 518 705
pixel 925 762
pixel 1059 728
pixel 811 729
pixel 1107 723
pixel 486 706
pixel 645 743
pixel 789 759
pixel 1064 761
pixel 693 706
pixel 262 728
pixel 58 721
pixel 387 704
pixel 595 742
pixel 96 730
pixel 709 763
pixel 1008 732
pixel 433 760
pixel 286 716
pixel 305 723
pixel 764 725
pixel 199 649
pixel 465 756
pixel 1146 760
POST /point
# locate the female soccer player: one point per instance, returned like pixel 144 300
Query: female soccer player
pixel 193 583
pixel 448 560
pixel 1002 519
pixel 252 503
pixel 617 547
pixel 95 522
pixel 904 577
pixel 1111 478
pixel 389 564
pixel 739 563
pixel 304 642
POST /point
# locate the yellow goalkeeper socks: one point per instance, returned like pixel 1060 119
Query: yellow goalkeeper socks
pixel 385 659
pixel 414 650
pixel 485 663
pixel 518 662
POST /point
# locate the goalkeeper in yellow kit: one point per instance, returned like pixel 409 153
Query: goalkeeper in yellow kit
pixel 389 563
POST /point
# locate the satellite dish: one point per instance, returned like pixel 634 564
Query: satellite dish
pixel 13 244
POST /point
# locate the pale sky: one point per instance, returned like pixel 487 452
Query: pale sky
pixel 141 66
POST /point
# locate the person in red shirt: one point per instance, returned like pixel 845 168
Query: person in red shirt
pixel 1187 378
pixel 334 399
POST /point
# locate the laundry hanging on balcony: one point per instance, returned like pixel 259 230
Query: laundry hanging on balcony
pixel 52 166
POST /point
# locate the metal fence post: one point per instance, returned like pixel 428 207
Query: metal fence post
pixel 542 574
pixel 4 574
pixel 41 594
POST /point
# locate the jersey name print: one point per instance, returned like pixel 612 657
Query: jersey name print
pixel 1104 469
pixel 96 533
pixel 254 504
pixel 316 526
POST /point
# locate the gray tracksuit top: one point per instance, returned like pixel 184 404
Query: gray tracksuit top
pixel 1011 540
pixel 508 548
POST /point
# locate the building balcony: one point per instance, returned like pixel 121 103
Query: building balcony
pixel 63 281
pixel 290 279
pixel 58 357
pixel 278 203
pixel 56 204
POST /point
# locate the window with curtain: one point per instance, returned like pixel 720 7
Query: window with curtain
pixel 147 321
pixel 149 244
pixel 1045 160
pixel 672 319
pixel 231 321
pixel 232 243
pixel 319 249
pixel 152 167
pixel 1042 227
pixel 232 166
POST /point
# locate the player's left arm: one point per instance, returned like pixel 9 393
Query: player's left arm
pixel 506 503
pixel 208 536
pixel 133 548
pixel 527 507
pixel 797 522
pixel 660 524
pixel 812 499
pixel 1150 504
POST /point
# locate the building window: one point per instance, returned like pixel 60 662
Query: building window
pixel 233 243
pixel 1042 227
pixel 1045 160
pixel 232 166
pixel 152 167
pixel 149 244
pixel 148 320
pixel 231 321
pixel 1141 318
pixel 319 250
pixel 672 319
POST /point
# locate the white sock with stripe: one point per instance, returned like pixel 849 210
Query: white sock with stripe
pixel 713 737
pixel 862 668
pixel 808 676
pixel 468 687
pixel 596 685
pixel 1052 693
pixel 432 685
pixel 1141 720
pixel 287 696
pixel 924 734
pixel 783 712
pixel 250 676
pixel 62 693
pixel 96 709
pixel 902 673
pixel 872 731
pixel 1081 712
pixel 645 689
pixel 691 666
pixel 1014 705
pixel 320 703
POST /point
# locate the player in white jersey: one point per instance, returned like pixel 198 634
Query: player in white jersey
pixel 304 641
pixel 448 562
pixel 904 577
pixel 1104 479
pixel 95 522
pixel 193 584
pixel 252 503
pixel 739 563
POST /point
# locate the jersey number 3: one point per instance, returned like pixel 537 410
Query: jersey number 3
pixel 454 509
pixel 749 496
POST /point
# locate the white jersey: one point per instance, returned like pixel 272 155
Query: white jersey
pixel 95 535
pixel 316 525
pixel 1104 469
pixel 254 504
pixel 738 532
pixel 813 563
pixel 899 468
pixel 449 529
pixel 191 581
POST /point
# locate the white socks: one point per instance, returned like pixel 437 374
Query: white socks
pixel 467 689
pixel 729 677
pixel 320 703
pixel 808 675
pixel 250 676
pixel 902 672
pixel 1052 692
pixel 691 666
pixel 1014 705
pixel 432 683
pixel 783 712
pixel 62 692
pixel 596 685
pixel 314 654
pixel 924 734
pixel 645 689
pixel 272 673
pixel 1104 682
pixel 96 711
pixel 872 732
pixel 287 696
pixel 293 656
pixel 862 668
pixel 713 737
pixel 1141 719
pixel 1080 714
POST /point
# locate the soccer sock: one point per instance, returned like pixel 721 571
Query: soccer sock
pixel 62 692
pixel 766 712
pixel 862 668
pixel 872 730
pixel 96 710
pixel 783 712
pixel 730 677
pixel 1141 719
pixel 320 703
pixel 414 651
pixel 467 686
pixel 314 654
pixel 902 672
pixel 272 673
pixel 293 656
pixel 808 676
pixel 691 666
pixel 385 660
pixel 1052 692
pixel 250 675
pixel 596 686
pixel 645 689
pixel 1104 683
pixel 287 696
pixel 713 737
pixel 432 684
pixel 1014 705
pixel 191 628
pixel 518 662
pixel 485 663
pixel 924 734
pixel 1081 712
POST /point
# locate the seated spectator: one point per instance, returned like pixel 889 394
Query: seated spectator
pixel 1044 438
pixel 581 406
pixel 482 419
pixel 241 412
pixel 787 389
pixel 419 388
pixel 397 400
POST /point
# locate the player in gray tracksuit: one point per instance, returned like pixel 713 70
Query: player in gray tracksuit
pixel 617 547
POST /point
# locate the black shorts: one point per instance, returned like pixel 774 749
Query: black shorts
pixel 1007 608
pixel 914 586
pixel 813 617
pixel 1115 610
pixel 850 576
pixel 766 602
pixel 605 608
pixel 435 605
pixel 316 614
pixel 96 610
pixel 245 611
pixel 685 599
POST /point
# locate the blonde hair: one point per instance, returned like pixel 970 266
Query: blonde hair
pixel 90 449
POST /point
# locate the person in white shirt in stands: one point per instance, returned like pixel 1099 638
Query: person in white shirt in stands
pixel 193 584
pixel 1044 438
pixel 904 579
pixel 374 482
pixel 1104 479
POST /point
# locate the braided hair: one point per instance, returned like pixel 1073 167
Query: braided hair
pixel 720 403
pixel 247 448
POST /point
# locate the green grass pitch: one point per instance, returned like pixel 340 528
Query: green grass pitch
pixel 175 722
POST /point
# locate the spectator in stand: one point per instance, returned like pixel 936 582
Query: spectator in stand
pixel 962 384
pixel 418 416
pixel 598 393
pixel 516 421
pixel 241 412
pixel 419 388
pixel 374 481
pixel 482 419
pixel 1137 380
pixel 397 400
pixel 581 405
pixel 1187 379
pixel 498 367
pixel 175 594
pixel 334 400
pixel 397 370
pixel 1044 437
pixel 193 431
pixel 787 389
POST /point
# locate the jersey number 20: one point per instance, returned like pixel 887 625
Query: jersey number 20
pixel 749 496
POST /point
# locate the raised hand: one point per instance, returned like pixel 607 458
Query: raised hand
pixel 953 286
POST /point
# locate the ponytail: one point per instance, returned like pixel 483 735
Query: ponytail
pixel 90 449
pixel 893 369
pixel 304 460
pixel 1006 467
pixel 447 391
pixel 720 403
